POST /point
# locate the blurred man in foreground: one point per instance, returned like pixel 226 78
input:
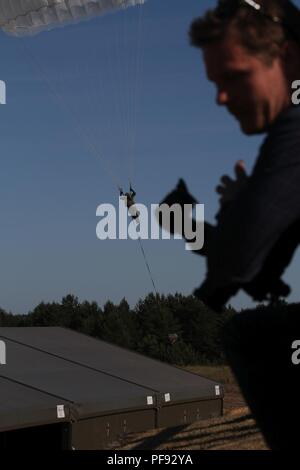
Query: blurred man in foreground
pixel 253 56
pixel 251 51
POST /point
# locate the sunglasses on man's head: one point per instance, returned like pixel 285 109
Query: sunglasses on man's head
pixel 228 8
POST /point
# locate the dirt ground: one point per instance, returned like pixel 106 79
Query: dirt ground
pixel 235 430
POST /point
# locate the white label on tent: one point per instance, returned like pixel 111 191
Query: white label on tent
pixel 60 411
pixel 167 397
pixel 217 389
pixel 149 400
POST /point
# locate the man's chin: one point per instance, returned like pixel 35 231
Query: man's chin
pixel 250 128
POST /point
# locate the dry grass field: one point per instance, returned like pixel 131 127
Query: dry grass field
pixel 235 430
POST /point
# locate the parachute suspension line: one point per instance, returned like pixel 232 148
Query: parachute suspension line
pixel 127 50
pixel 121 80
pixel 147 265
pixel 137 90
pixel 128 69
pixel 130 81
pixel 93 148
pixel 114 119
pixel 125 92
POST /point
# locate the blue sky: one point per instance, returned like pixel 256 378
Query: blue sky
pixel 75 89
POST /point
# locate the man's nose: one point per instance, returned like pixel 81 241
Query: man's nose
pixel 222 97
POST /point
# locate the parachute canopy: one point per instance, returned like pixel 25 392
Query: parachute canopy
pixel 27 17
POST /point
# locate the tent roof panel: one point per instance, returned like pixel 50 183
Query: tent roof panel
pixel 88 389
pixel 117 361
pixel 21 406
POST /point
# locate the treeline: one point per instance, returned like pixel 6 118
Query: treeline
pixel 174 328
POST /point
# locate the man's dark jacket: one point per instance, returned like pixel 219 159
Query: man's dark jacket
pixel 258 232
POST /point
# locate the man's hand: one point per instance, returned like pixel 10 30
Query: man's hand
pixel 229 188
